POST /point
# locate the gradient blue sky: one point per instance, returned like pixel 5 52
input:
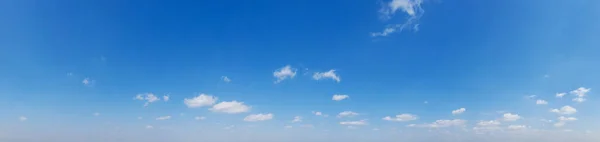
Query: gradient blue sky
pixel 423 58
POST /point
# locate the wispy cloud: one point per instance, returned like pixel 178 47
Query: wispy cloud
pixel 286 72
pixel 258 117
pixel 410 8
pixel 327 75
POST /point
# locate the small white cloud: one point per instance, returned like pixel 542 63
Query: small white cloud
pixel 517 127
pixel 286 72
pixel 258 117
pixel 458 111
pixel 149 127
pixel 338 97
pixel 199 117
pixel 317 113
pixel 22 118
pixel 562 118
pixel 412 8
pixel 347 114
pixel 541 102
pixel 441 123
pixel 560 95
pixel 163 118
pixel 88 81
pixel 166 98
pixel 148 97
pixel 579 99
pixel 360 122
pixel 225 79
pixel 401 117
pixel 200 101
pixel 231 107
pixel 511 117
pixel 565 110
pixel 325 75
pixel 580 92
pixel 489 123
pixel 96 114
pixel 297 119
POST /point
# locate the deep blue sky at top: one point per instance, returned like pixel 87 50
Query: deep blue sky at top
pixel 475 53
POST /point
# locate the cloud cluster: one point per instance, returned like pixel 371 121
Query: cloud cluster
pixel 148 97
pixel 411 8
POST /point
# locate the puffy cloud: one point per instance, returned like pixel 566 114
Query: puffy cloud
pixel 347 114
pixel 560 95
pixel 565 110
pixel 284 73
pixel 325 75
pixel 541 102
pixel 412 8
pixel 297 119
pixel 148 97
pixel 199 117
pixel 225 79
pixel 230 107
pixel 511 117
pixel 401 117
pixel 258 117
pixel 459 111
pixel 22 118
pixel 360 122
pixel 200 101
pixel 338 97
pixel 163 118
pixel 517 127
pixel 442 123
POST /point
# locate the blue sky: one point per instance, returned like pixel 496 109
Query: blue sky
pixel 371 70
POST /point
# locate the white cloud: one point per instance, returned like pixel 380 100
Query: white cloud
pixel 511 117
pixel 412 8
pixel 96 114
pixel 258 117
pixel 338 97
pixel 517 127
pixel 562 118
pixel 200 101
pixel 347 114
pixel 148 97
pixel 318 113
pixel 226 79
pixel 324 75
pixel 230 107
pixel 163 118
pixel 166 98
pixel 149 127
pixel 489 123
pixel 565 110
pixel 541 102
pixel 88 81
pixel 199 117
pixel 458 111
pixel 297 119
pixel 360 122
pixel 442 123
pixel 401 117
pixel 579 99
pixel 284 73
pixel 560 95
pixel 22 118
pixel 580 92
